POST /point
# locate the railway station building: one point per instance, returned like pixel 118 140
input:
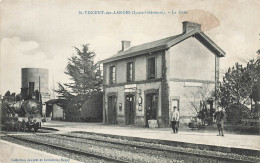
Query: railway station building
pixel 143 82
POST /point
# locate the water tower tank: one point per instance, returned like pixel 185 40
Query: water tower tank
pixel 36 76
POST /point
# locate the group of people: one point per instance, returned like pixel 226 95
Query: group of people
pixel 218 116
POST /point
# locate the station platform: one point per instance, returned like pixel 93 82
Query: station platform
pixel 202 139
pixel 11 153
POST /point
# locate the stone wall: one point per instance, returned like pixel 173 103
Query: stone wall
pixel 192 68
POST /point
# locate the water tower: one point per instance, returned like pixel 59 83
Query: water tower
pixel 36 79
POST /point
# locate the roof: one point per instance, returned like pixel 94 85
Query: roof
pixel 59 102
pixel 166 43
pixel 149 45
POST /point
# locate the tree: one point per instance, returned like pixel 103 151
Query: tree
pixel 198 99
pixel 9 97
pixel 256 92
pixel 63 92
pixel 239 88
pixel 238 83
pixel 84 73
pixel 258 52
pixel 91 110
pixel 8 93
pixel 256 88
pixel 86 79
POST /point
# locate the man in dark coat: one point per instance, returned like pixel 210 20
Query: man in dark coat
pixel 219 117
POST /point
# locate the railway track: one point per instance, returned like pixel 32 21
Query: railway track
pixel 215 157
pixel 83 140
pixel 39 132
pixel 75 151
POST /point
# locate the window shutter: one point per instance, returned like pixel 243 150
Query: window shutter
pixel 151 68
pixel 110 75
pixel 114 74
pixel 128 72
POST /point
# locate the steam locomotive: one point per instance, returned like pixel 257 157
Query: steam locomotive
pixel 23 115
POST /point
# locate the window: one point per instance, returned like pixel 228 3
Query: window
pixel 129 72
pixel 112 75
pixel 151 68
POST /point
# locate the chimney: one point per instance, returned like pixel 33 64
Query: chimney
pixel 125 44
pixel 189 26
pixel 31 88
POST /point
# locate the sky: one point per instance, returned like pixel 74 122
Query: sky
pixel 42 34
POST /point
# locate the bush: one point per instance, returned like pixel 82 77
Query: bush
pixel 92 109
pixel 72 112
pixel 235 113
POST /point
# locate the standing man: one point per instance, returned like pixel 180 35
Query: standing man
pixel 219 117
pixel 174 117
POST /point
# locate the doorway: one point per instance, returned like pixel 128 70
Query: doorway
pixel 112 112
pixel 174 103
pixel 151 107
pixel 129 109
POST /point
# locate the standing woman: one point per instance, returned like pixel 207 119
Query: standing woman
pixel 174 117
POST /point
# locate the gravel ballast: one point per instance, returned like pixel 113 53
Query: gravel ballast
pixel 125 152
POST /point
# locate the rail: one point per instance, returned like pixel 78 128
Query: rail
pixel 219 158
pixel 76 151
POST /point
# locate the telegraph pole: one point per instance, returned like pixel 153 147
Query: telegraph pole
pixel 39 89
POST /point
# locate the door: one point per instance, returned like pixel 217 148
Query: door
pixel 174 102
pixel 151 107
pixel 129 109
pixel 112 113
